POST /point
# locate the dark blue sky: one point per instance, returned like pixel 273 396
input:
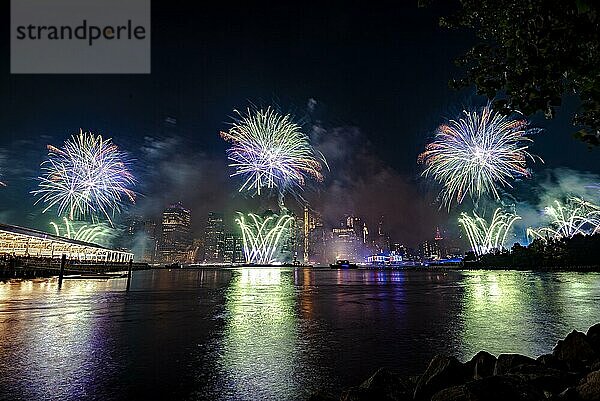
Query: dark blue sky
pixel 383 69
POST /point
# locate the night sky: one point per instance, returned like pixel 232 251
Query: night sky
pixel 376 78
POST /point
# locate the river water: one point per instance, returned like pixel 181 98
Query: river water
pixel 250 334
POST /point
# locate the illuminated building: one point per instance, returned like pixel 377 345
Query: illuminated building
pixel 360 228
pixel 140 238
pixel 389 259
pixel 306 235
pixel 214 238
pixel 149 250
pixel 439 244
pixel 398 248
pixel 176 238
pixel 296 240
pixel 380 240
pixel 429 250
pixel 317 240
pixel 25 242
pixel 233 248
pixel 345 243
pixel 196 253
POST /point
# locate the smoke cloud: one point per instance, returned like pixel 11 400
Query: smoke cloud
pixel 360 183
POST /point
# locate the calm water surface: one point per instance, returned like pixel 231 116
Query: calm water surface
pixel 249 334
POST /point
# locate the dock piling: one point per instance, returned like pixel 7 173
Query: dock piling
pixel 129 273
pixel 63 261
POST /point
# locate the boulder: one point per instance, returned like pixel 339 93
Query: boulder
pixel 442 372
pixel 549 361
pixel 593 337
pixel 356 394
pixel 322 396
pixel 570 394
pixel 543 378
pixel 492 388
pixel 589 387
pixel 383 385
pixel 574 350
pixel 387 385
pixel 454 393
pixel 506 362
pixel 481 365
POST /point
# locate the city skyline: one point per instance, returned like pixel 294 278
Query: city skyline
pixel 221 242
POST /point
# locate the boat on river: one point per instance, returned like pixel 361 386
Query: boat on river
pixel 343 264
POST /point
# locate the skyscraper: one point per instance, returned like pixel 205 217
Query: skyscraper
pixel 176 237
pixel 214 238
pixel 317 240
pixel 140 238
pixel 149 244
pixel 234 248
pixel 306 235
pixel 344 241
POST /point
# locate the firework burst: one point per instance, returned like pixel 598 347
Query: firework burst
pixel 262 236
pixel 269 150
pixel 476 154
pixel 88 176
pixel 576 216
pixel 483 236
pixel 92 233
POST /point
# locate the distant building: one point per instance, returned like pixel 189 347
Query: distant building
pixel 149 241
pixel 140 238
pixel 306 235
pixel 385 259
pixel 233 248
pixel 360 228
pixel 429 250
pixel 439 244
pixel 345 244
pixel 296 240
pixel 380 241
pixel 197 250
pixel 176 238
pixel 214 238
pixel 398 248
pixel 317 240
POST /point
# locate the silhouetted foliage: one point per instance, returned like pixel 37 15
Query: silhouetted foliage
pixel 578 251
pixel 531 52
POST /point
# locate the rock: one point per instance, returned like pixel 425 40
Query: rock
pixel 442 372
pixel 414 379
pixel 589 387
pixel 574 350
pixel 322 396
pixel 481 365
pixel 544 378
pixel 383 385
pixel 593 337
pixel 492 388
pixel 454 393
pixel 570 394
pixel 387 385
pixel 356 394
pixel 506 362
pixel 549 361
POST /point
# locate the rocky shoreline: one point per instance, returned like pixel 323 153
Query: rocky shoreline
pixel 570 373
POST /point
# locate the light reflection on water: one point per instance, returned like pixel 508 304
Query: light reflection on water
pixel 524 311
pixel 270 333
pixel 260 335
